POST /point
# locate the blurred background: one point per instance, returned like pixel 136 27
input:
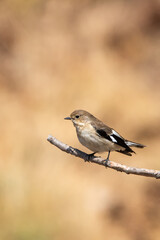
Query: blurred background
pixel 58 56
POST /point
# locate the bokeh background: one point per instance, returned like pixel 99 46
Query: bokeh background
pixel 58 56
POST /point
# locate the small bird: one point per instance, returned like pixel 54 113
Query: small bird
pixel 98 137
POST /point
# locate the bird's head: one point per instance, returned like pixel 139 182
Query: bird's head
pixel 80 118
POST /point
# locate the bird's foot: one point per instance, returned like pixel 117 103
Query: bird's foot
pixel 107 160
pixel 89 157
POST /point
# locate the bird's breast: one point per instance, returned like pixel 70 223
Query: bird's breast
pixel 89 138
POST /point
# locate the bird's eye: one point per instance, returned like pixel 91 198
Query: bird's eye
pixel 77 116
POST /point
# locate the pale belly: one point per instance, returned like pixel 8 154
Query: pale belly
pixel 96 143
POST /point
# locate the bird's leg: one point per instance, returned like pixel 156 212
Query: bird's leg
pixel 106 161
pixel 90 156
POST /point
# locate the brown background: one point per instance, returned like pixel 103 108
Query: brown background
pixel 58 56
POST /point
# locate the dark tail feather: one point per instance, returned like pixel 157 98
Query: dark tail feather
pixel 126 152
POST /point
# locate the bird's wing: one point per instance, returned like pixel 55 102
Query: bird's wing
pixel 111 135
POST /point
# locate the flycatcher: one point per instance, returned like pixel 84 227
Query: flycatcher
pixel 98 137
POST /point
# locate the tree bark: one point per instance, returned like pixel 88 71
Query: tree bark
pixel 98 160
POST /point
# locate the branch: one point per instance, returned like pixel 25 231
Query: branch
pixel 98 160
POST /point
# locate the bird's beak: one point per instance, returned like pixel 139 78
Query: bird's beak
pixel 67 118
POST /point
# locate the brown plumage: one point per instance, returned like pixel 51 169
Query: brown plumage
pixel 98 137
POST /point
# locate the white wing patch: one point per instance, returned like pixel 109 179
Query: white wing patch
pixel 113 139
pixel 115 133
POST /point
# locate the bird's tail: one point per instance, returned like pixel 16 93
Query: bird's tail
pixel 133 144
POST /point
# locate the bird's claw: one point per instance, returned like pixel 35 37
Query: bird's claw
pixel 89 157
pixel 106 162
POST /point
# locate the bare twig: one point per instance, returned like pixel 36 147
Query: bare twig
pixel 98 160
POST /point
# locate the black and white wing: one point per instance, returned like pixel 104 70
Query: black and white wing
pixel 111 135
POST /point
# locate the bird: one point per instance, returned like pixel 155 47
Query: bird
pixel 98 137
